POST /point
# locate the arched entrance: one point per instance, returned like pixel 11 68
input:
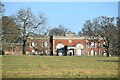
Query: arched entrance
pixel 79 49
pixel 70 51
pixel 60 49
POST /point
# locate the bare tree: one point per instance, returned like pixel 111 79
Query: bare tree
pixel 105 27
pixel 2 10
pixel 80 33
pixel 29 23
pixel 58 31
pixel 88 28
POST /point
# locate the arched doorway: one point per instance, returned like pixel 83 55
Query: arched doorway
pixel 70 52
pixel 60 49
pixel 79 49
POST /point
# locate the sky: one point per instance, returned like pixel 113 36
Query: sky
pixel 70 14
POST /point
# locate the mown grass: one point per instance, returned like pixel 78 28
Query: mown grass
pixel 28 66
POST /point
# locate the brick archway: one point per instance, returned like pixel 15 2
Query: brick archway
pixel 60 49
pixel 79 49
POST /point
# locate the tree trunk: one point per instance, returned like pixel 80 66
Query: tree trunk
pixel 24 46
pixel 107 52
pixel 107 48
pixel 98 50
pixel 12 50
pixel 24 38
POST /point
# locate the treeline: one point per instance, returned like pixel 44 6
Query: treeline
pixel 19 26
pixel 107 28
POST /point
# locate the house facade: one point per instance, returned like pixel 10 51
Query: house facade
pixel 68 45
pixel 38 45
pixel 77 45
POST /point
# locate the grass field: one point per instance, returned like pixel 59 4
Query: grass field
pixel 28 66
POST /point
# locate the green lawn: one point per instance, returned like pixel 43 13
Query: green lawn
pixel 28 66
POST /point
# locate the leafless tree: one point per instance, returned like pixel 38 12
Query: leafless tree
pixel 58 31
pixel 105 27
pixel 29 23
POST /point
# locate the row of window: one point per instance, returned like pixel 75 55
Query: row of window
pixel 95 45
pixel 33 44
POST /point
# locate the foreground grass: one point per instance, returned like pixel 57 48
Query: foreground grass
pixel 59 67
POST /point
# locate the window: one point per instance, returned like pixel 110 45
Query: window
pixel 33 44
pixel 45 44
pixel 92 45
